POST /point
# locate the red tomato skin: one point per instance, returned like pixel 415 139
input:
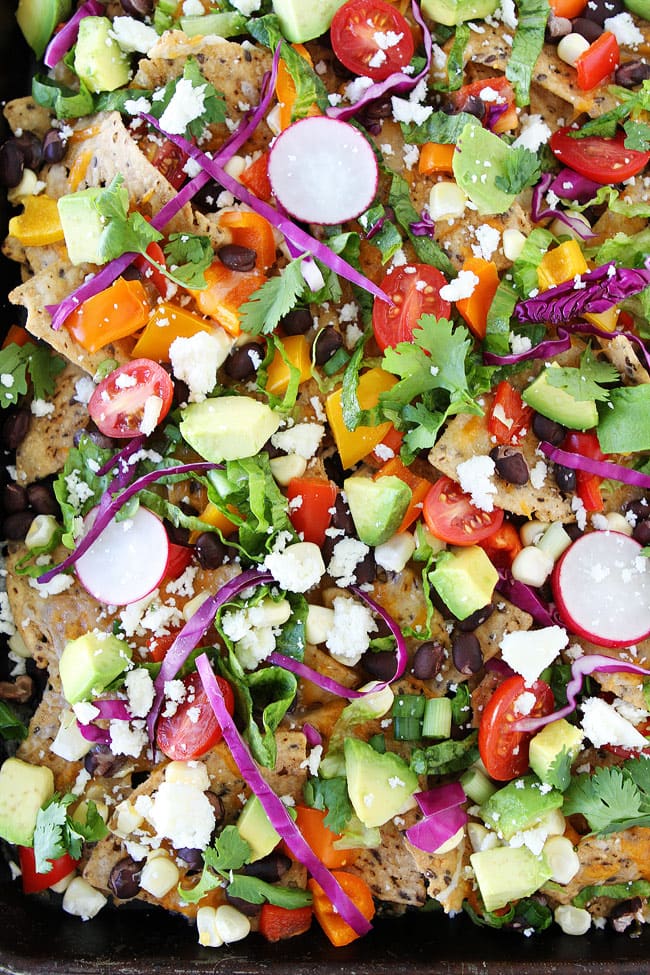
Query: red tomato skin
pixel 179 558
pixel 312 517
pixel 352 30
pixel 182 739
pixel 170 160
pixel 118 411
pixel 150 273
pixel 601 159
pixel 395 323
pixel 450 515
pixel 503 750
pixel 499 116
pixel 587 485
pixel 33 881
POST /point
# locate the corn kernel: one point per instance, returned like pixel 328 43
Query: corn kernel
pixel 127 819
pixel 191 607
pixel 532 566
pixel 481 838
pixel 41 531
pixel 616 522
pixel 319 623
pixel 159 875
pixel 231 924
pixel 285 468
pixel 82 900
pixel 572 920
pixel 446 201
pixel 209 937
pixel 561 858
pixel 571 46
pixel 188 773
pixel 513 243
pixel 235 166
pixel 531 532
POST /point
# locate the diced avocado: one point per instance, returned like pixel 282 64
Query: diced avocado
pixel 255 827
pixel 229 427
pixel 464 578
pixel 38 18
pixel 624 425
pixel 23 790
pixel 370 707
pixel 639 7
pixel 83 225
pixel 519 805
pixel 228 23
pixel 99 60
pixel 90 663
pixel 451 12
pixel 559 405
pixel 379 786
pixel 555 740
pixel 506 874
pixel 377 507
pixel 302 20
pixel 480 157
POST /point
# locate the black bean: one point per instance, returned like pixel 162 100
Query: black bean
pixel 366 570
pixel 379 109
pixel 476 618
pixel 124 878
pixel 625 913
pixel 101 762
pixel 42 499
pixel 273 451
pixel 210 551
pixel 340 70
pixel 328 342
pixel 334 468
pixel 342 519
pixel 14 498
pixel 31 148
pixel 177 534
pixel 297 321
pixel 11 164
pixel 54 147
pixel 16 525
pixel 100 439
pixel 246 907
pixel 587 28
pixel 193 858
pixel 573 530
pixel 428 660
pixel 237 258
pixel 557 28
pixel 601 10
pixel 510 464
pixel 243 362
pixel 632 73
pixel 270 868
pixel 137 8
pixel 466 653
pixel 640 508
pixel 206 199
pixel 565 478
pixel 380 665
pixel 474 105
pixel 545 429
pixel 641 531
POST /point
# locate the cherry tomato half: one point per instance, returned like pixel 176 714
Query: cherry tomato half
pixel 179 558
pixel 415 291
pixel 170 160
pixel 603 160
pixel 118 404
pixel 355 30
pixel 623 752
pixel 193 728
pixel 451 516
pixel 33 881
pixel 504 750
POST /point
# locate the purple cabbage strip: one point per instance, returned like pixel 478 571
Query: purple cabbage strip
pixel 312 734
pixel 574 186
pixel 194 630
pixel 602 468
pixel 99 736
pixel 112 709
pixel 587 664
pixel 597 291
pixel 67 36
pixel 424 227
pixel 290 230
pixel 523 597
pixel 440 798
pixel 430 833
pixel 275 808
pixel 543 350
pixel 106 511
pixel 494 112
pixel 396 84
pixel 539 212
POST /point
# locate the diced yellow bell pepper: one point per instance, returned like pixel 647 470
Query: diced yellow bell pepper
pixel 212 515
pixel 39 223
pixel 353 445
pixel 168 322
pixel 563 263
pixel 297 351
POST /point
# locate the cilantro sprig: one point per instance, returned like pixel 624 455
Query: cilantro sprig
pixel 212 101
pixel 57 833
pixel 20 364
pixel 586 381
pixel 612 799
pixel 11 727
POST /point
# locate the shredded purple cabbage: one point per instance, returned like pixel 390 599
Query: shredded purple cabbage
pixel 574 186
pixel 543 350
pixel 494 112
pixel 539 212
pixel 581 668
pixel 396 84
pixel 440 798
pixel 99 736
pixel 274 807
pixel 112 709
pixel 597 291
pixel 109 506
pixel 430 833
pixel 67 36
pixel 523 597
pixel 602 468
pixel 424 227
pixel 312 734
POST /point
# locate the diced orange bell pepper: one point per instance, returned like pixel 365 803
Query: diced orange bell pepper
pixel 311 823
pixel 112 314
pixel 298 352
pixel 212 515
pixel 353 445
pixel 16 335
pixel 226 291
pixel 563 263
pixel 419 489
pixel 256 178
pixel 39 223
pixel 337 930
pixel 567 8
pixel 285 89
pixel 249 229
pixel 168 322
pixel 436 157
pixel 475 308
pixel 279 923
pixel 389 447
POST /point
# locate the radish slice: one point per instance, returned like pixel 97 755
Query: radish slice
pixel 323 171
pixel 127 561
pixel 602 589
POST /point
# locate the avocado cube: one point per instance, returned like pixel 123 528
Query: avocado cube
pixel 303 20
pixel 518 806
pixel 377 507
pixel 228 427
pixel 255 827
pixel 90 663
pixel 99 60
pixel 464 578
pixel 83 225
pixel 559 405
pixel 549 744
pixel 379 785
pixel 507 873
pixel 451 12
pixel 23 790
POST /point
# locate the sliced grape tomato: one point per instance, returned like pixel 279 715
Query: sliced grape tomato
pixel 415 291
pixel 192 729
pixel 132 400
pixel 602 159
pixel 503 749
pixel 451 516
pixel 371 38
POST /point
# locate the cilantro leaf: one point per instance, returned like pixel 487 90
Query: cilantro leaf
pixel 559 772
pixel 609 800
pixel 56 833
pixel 257 891
pixel 631 103
pixel 20 362
pixel 78 488
pixel 637 135
pixel 11 727
pixel 438 127
pixel 123 232
pixel 65 102
pixel 426 249
pixel 213 104
pixel 308 85
pixel 189 257
pixel 527 44
pixel 584 382
pixel 275 299
pixel 229 852
pixel 331 795
pixel 446 756
pixel 521 169
pixel 434 359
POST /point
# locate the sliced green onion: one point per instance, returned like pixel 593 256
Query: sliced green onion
pixel 338 360
pixel 477 786
pixel 437 718
pixel 378 742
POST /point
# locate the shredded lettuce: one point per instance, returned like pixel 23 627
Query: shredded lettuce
pixel 527 46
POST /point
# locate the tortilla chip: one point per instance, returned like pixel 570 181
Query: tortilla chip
pixel 388 870
pixel 446 874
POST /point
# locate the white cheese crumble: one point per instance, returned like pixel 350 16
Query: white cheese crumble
pixel 127 739
pixel 302 439
pixel 139 691
pixel 488 239
pixel 298 568
pixel 534 133
pixel 346 556
pixel 182 813
pixel 349 637
pixel 463 286
pixel 41 407
pixel 195 360
pixel 186 104
pixel 475 478
pixel 132 35
pixel 603 725
pixel 150 414
pixel 529 652
pixel 624 29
